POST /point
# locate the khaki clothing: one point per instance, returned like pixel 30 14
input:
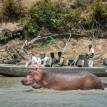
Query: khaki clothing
pixel 51 62
pixel 91 51
pixel 90 60
pixel 60 62
pixel 56 65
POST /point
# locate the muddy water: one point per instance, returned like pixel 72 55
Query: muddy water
pixel 14 94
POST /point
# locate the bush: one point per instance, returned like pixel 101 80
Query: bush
pixel 1 37
pixel 83 3
pixel 12 10
pixel 99 9
pixel 96 13
pixel 46 15
pixel 55 17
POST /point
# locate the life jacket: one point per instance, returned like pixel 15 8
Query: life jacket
pixel 105 61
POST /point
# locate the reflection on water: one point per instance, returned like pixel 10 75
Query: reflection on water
pixel 14 94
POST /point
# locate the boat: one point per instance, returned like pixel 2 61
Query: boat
pixel 21 71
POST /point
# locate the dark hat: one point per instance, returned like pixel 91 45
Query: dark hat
pixel 89 45
pixel 59 52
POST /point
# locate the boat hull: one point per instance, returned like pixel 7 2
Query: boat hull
pixel 21 71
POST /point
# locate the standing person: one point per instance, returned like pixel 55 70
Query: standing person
pixel 42 60
pixel 90 56
pixel 60 60
pixel 32 60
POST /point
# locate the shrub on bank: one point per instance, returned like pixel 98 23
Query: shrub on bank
pixel 56 17
pixel 12 10
pixel 46 15
pixel 97 13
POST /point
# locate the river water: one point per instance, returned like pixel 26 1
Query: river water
pixel 14 94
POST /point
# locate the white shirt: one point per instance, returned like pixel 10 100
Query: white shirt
pixel 91 51
pixel 43 60
pixel 33 60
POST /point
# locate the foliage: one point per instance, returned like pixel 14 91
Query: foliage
pixel 6 36
pixel 3 55
pixel 1 37
pixel 47 42
pixel 63 45
pixel 12 9
pixel 97 13
pixel 56 17
pixel 83 3
pixel 9 35
pixel 46 15
pixel 99 9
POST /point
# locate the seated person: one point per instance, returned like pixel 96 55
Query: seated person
pixel 60 60
pixel 32 60
pixel 42 60
pixel 51 60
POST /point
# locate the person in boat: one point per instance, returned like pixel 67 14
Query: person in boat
pixel 90 56
pixel 51 60
pixel 32 60
pixel 60 60
pixel 42 60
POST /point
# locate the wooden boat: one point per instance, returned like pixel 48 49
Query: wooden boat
pixel 21 71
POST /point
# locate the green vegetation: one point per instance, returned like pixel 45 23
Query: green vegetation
pixel 12 10
pixel 63 45
pixel 46 15
pixel 46 42
pixel 3 55
pixel 56 17
pixel 6 36
pixel 98 11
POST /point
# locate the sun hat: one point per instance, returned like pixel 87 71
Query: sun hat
pixel 30 53
pixel 42 53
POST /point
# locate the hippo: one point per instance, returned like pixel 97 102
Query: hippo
pixel 62 80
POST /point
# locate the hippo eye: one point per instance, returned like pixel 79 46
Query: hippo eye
pixel 29 72
pixel 35 69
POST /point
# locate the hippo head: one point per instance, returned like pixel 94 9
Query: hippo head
pixel 33 77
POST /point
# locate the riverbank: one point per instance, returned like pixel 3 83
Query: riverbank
pixel 71 52
pixel 26 20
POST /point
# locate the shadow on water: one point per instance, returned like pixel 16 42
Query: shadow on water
pixel 31 90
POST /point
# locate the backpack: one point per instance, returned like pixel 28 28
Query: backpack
pixel 105 61
pixel 80 63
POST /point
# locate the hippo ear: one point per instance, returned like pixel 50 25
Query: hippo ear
pixel 35 69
